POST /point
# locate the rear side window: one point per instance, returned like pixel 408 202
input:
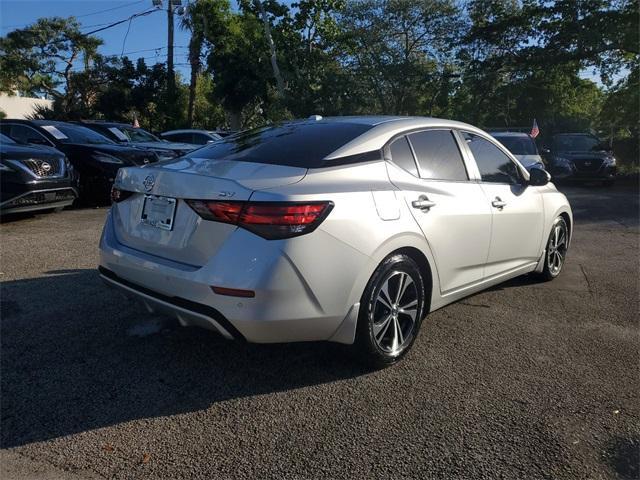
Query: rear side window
pixel 402 155
pixel 178 137
pixel 438 155
pixel 520 145
pixel 303 144
pixel 494 165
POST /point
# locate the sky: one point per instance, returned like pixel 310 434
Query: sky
pixel 148 33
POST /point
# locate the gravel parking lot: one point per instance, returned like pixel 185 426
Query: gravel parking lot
pixel 525 380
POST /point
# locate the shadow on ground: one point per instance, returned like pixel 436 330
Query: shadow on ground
pixel 96 359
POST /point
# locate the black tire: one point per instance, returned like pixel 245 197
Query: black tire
pixel 553 264
pixel 381 344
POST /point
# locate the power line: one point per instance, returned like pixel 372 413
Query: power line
pixel 111 25
pixel 82 16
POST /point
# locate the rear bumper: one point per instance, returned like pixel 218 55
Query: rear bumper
pixel 188 313
pixel 284 309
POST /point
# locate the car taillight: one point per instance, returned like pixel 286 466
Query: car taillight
pixel 118 195
pixel 270 220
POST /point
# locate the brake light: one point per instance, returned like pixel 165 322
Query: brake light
pixel 270 220
pixel 118 195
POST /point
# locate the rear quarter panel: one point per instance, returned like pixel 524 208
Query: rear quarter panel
pixel 338 259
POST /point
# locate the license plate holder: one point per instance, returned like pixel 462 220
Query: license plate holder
pixel 158 212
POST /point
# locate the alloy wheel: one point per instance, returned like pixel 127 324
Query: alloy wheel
pixel 394 313
pixel 557 248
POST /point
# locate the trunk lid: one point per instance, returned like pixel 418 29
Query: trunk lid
pixel 191 240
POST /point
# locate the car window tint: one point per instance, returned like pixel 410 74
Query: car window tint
pixel 523 145
pixel 438 155
pixel 200 139
pixel 179 137
pixel 494 165
pixel 402 155
pixel 297 144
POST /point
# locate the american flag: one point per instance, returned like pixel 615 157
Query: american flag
pixel 535 131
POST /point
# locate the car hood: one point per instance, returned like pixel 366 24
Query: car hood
pixel 131 155
pixel 176 147
pixel 18 151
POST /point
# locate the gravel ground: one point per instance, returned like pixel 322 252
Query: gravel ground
pixel 525 380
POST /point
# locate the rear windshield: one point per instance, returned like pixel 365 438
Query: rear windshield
pixel 518 145
pixel 293 144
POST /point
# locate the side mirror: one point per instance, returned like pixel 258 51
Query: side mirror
pixel 538 177
pixel 545 150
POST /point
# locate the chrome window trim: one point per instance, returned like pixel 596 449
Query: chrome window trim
pixel 406 133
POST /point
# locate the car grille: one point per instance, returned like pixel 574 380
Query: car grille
pixel 587 165
pixel 51 167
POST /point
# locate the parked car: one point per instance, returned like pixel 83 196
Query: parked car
pixel 581 157
pixel 196 137
pixel 95 158
pixel 349 229
pixel 138 137
pixel 33 178
pixel 522 146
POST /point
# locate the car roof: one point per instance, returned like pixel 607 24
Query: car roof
pixel 104 123
pixel 188 130
pixel 384 128
pixel 510 134
pixel 581 134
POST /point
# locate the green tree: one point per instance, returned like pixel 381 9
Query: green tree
pixel 41 58
pixel 399 51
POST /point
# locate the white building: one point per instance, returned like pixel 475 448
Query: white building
pixel 14 106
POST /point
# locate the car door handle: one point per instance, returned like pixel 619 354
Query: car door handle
pixel 423 203
pixel 498 203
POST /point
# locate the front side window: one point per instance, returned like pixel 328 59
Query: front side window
pixel 179 137
pixel 438 155
pixel 494 165
pixel 402 155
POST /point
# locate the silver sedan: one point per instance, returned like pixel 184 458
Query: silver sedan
pixel 346 229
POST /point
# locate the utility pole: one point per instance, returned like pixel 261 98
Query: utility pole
pixel 171 78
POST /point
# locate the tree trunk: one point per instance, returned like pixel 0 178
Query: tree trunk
pixel 235 120
pixel 195 47
pixel 272 49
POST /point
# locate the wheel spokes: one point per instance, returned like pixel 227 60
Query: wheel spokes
pixel 405 281
pixel 380 329
pixel 384 297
